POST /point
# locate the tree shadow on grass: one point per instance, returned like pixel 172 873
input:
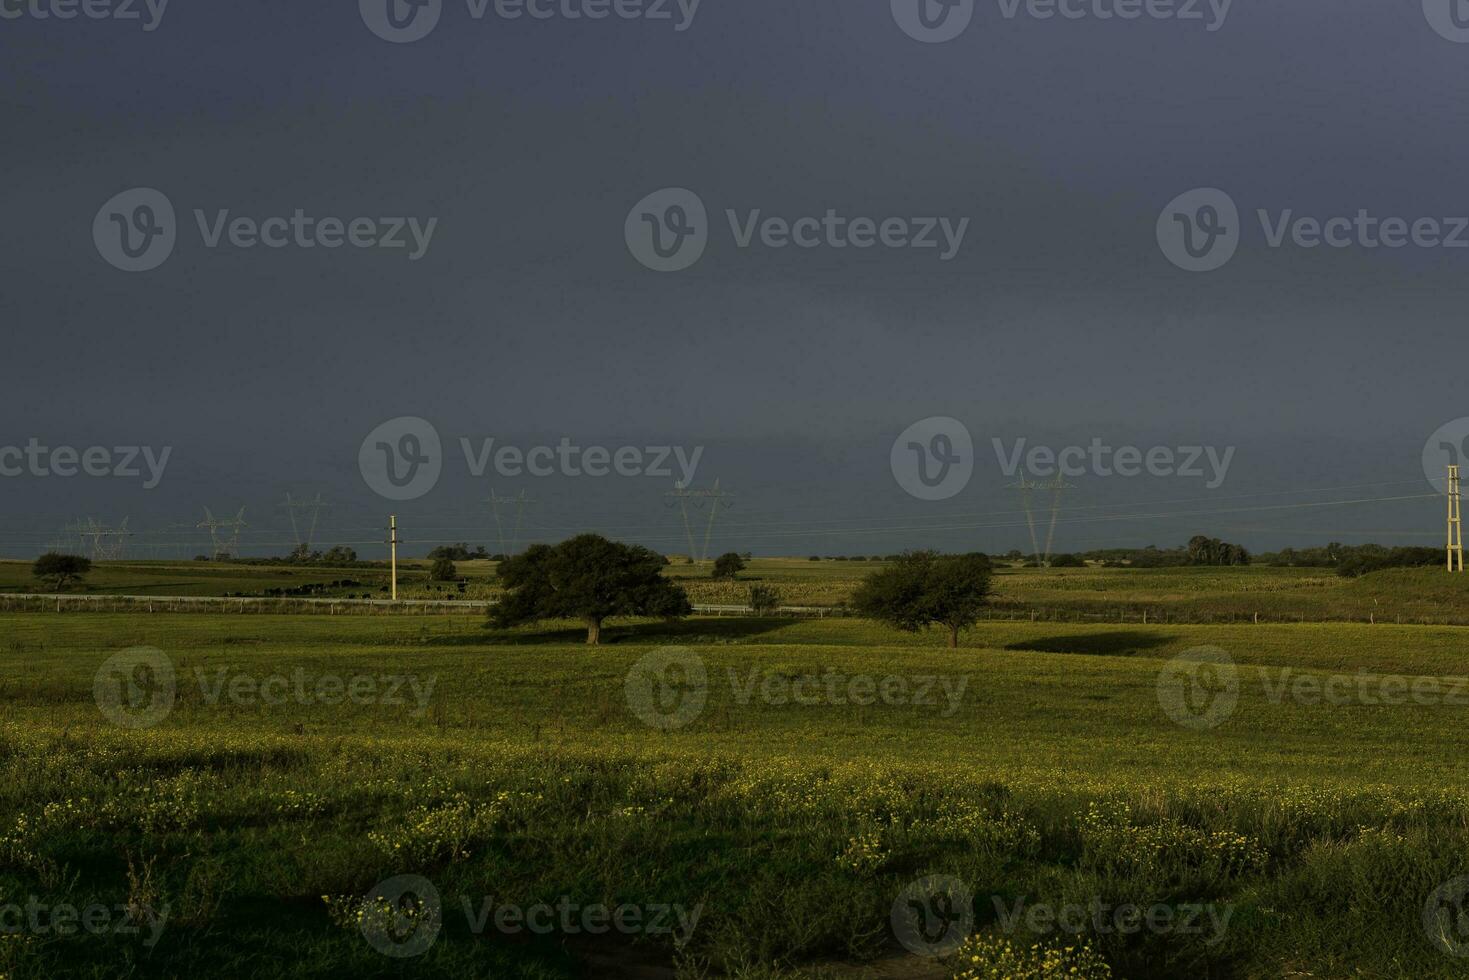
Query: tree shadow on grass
pixel 703 630
pixel 1125 643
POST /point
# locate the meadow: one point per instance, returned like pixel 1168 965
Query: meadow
pixel 1295 808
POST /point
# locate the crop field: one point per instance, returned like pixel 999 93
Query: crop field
pixel 738 796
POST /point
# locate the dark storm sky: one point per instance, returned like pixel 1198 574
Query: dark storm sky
pixel 529 320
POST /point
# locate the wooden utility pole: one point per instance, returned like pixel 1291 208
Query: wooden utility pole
pixel 1456 524
pixel 393 542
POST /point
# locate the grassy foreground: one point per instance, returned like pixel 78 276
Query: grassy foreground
pixel 770 832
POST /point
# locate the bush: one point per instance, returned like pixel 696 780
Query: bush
pixel 728 566
pixel 59 569
pixel 764 599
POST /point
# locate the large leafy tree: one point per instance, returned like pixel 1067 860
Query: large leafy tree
pixel 923 589
pixel 59 569
pixel 728 566
pixel 587 578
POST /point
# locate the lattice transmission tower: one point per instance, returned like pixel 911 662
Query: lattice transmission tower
pixel 685 498
pixel 101 542
pixel 1027 490
pixel 519 502
pixel 224 535
pixel 310 512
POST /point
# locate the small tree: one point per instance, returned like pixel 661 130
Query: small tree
pixel 587 578
pixel 923 589
pixel 442 570
pixel 728 566
pixel 60 570
pixel 764 600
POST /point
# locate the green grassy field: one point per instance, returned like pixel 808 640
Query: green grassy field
pixel 1289 811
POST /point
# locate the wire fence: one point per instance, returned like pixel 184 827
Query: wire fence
pixel 1121 615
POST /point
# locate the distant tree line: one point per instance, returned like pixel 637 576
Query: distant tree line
pixel 463 552
pixel 1200 550
pixel 1351 561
